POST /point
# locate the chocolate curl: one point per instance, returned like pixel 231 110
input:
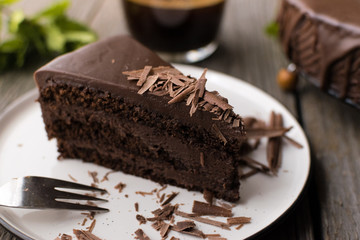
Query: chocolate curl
pixel 274 144
pixel 144 75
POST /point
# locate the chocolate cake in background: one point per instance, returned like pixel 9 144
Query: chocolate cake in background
pixel 322 37
pixel 117 104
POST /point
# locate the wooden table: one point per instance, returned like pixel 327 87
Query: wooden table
pixel 329 207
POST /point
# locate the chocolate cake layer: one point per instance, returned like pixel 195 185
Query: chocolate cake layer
pixel 97 115
pixel 322 38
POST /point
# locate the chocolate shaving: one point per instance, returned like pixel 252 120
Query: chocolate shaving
pixel 83 222
pixel 157 225
pixel 202 161
pixel 218 133
pixel 176 81
pixel 141 235
pixel 193 232
pixel 162 214
pixel 141 219
pixel 252 172
pixel 207 209
pixel 164 229
pixel 180 97
pixel 136 205
pixel 236 123
pixel 274 144
pixel 203 220
pixel 144 75
pixel 120 186
pixel 266 132
pixel 84 235
pixel 92 226
pixel 174 238
pixel 238 220
pixel 240 226
pixel 184 225
pixel 72 178
pixel 214 99
pixel 255 164
pixel 217 238
pixel 90 215
pixel 208 196
pixel 293 142
pixel 148 83
pixel 65 237
pixel 144 193
pixel 162 197
pixel 170 198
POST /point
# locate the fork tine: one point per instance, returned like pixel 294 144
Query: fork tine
pixel 65 184
pixel 75 206
pixel 69 195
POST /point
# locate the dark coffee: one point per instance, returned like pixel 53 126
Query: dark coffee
pixel 174 25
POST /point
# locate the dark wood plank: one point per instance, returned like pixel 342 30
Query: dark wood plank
pixel 333 129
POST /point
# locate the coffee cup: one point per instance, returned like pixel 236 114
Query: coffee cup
pixel 179 30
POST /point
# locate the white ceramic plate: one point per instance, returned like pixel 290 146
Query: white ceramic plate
pixel 25 150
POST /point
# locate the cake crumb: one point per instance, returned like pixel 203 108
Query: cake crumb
pixel 94 176
pixel 141 219
pixel 120 186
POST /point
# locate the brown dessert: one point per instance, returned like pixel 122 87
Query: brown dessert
pixel 322 37
pixel 179 134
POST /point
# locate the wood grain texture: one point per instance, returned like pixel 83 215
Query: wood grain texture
pixel 333 129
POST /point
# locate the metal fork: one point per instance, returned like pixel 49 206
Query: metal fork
pixel 42 193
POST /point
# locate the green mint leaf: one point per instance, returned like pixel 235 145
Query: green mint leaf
pixel 16 18
pixel 272 29
pixel 32 33
pixel 57 9
pixel 11 46
pixel 83 37
pixel 55 40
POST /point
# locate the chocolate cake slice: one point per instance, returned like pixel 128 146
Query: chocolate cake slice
pixel 322 37
pixel 117 104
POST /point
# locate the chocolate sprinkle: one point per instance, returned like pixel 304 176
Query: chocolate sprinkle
pixel 206 209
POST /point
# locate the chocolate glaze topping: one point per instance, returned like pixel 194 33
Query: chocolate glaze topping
pixel 101 66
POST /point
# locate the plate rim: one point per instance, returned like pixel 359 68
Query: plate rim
pixel 32 94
